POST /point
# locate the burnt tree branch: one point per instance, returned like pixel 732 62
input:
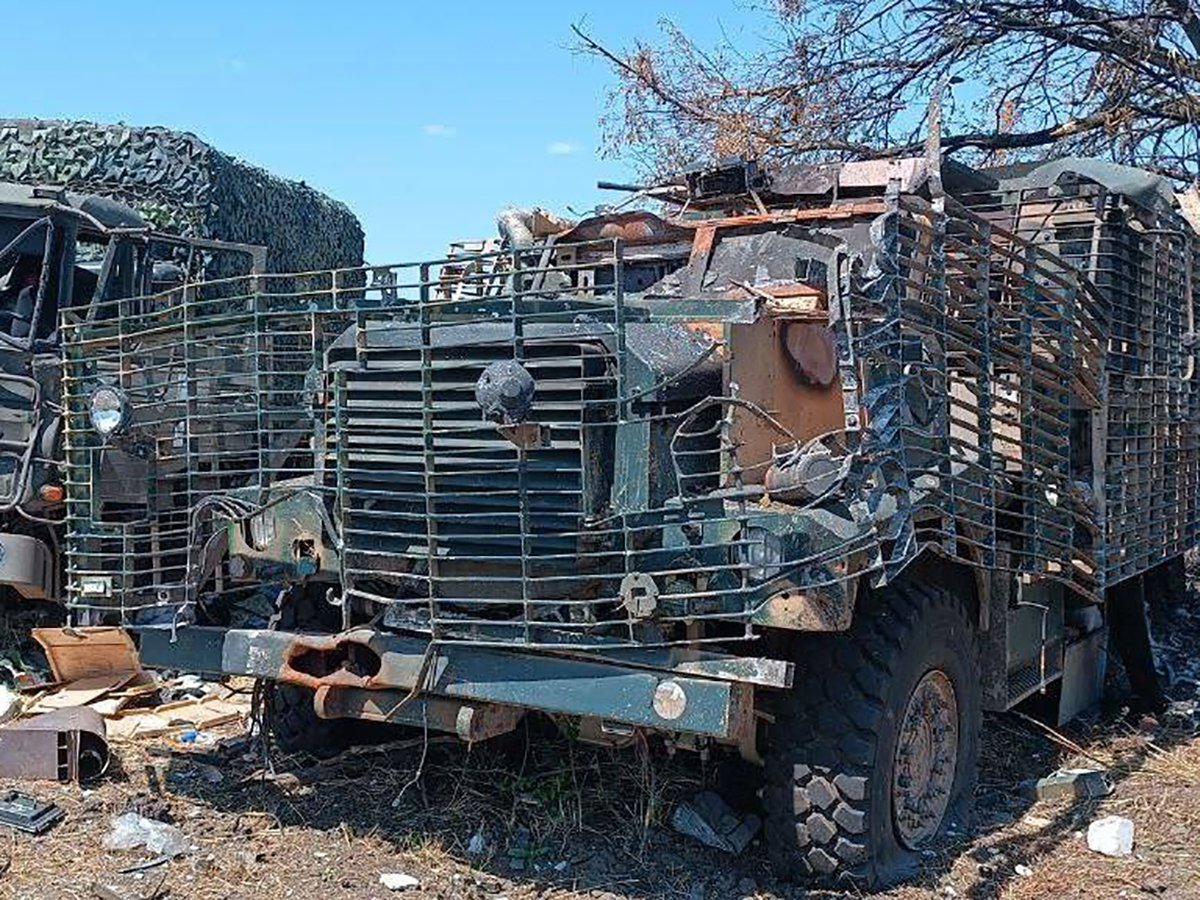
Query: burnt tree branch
pixel 842 78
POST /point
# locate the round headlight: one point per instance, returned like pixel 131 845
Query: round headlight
pixel 108 411
pixel 761 552
pixel 262 530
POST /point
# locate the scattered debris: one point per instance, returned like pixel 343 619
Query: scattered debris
pixel 130 831
pixel 185 687
pixel 64 745
pixel 150 806
pixel 710 820
pixel 1112 836
pixel 1075 784
pixel 98 678
pixel 92 667
pixel 147 864
pixel 199 738
pixel 398 881
pixel 193 715
pixel 27 813
pixel 105 892
pixel 210 774
pixel 82 692
pixel 520 848
pixel 1186 711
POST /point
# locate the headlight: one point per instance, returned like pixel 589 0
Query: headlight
pixel 108 411
pixel 761 551
pixel 262 530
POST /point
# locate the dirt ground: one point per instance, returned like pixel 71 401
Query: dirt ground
pixel 539 817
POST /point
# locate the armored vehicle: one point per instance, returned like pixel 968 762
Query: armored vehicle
pixel 819 463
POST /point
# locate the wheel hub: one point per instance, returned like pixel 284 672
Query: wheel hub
pixel 926 759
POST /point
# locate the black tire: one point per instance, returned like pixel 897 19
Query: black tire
pixel 831 753
pixel 292 721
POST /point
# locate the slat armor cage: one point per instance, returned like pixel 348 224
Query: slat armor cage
pixel 568 443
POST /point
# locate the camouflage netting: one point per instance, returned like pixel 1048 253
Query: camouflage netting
pixel 182 185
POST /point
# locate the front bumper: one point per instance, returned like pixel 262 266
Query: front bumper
pixel 670 690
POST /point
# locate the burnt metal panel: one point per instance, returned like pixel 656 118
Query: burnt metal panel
pixel 717 707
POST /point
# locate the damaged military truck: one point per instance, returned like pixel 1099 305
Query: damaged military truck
pixel 819 464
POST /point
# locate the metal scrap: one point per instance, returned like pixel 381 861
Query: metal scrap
pixel 1074 784
pixel 64 745
pixel 27 813
pixel 710 820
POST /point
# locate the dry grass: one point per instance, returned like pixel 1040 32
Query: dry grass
pixel 564 821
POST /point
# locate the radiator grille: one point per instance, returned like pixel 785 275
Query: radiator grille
pixel 423 478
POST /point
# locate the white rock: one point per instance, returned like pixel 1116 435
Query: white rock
pixel 1112 836
pixel 477 844
pixel 1022 870
pixel 398 881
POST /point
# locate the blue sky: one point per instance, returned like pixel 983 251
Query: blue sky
pixel 424 117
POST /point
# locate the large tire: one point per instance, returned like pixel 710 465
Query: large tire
pixel 292 721
pixel 906 671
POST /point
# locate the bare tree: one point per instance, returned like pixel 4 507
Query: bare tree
pixel 846 78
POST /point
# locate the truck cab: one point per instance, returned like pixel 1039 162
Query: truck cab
pixel 61 253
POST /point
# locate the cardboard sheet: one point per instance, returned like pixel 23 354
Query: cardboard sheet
pixel 76 653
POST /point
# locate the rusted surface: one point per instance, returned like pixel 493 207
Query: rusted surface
pixel 632 228
pixel 65 745
pixel 356 659
pixel 843 210
pixel 789 300
pixel 767 377
pixel 813 350
pixel 476 676
pixel 798 610
pixel 926 759
pixel 469 722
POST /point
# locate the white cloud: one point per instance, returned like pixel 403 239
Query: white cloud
pixel 436 129
pixel 562 148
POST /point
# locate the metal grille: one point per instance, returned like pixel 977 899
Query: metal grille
pixel 975 343
pixel 1138 264
pixel 460 493
pixel 220 388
